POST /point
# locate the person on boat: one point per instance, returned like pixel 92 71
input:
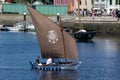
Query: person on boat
pixel 56 60
pixel 38 61
pixel 49 61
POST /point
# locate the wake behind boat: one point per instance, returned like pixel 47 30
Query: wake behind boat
pixel 54 43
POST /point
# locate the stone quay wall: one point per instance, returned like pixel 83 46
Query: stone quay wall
pixel 108 25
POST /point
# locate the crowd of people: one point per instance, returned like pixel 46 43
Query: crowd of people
pixel 113 13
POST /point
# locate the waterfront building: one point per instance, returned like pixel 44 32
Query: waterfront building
pixel 84 4
pixel 106 5
pixel 99 7
pixel 112 5
pixel 99 4
pixel 62 2
pixel 2 1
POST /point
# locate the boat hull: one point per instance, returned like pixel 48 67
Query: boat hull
pixel 58 67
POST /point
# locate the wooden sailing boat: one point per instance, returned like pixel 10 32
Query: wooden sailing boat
pixel 54 43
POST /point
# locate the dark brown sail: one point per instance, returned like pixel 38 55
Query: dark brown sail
pixel 50 37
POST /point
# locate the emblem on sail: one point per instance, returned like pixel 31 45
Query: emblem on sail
pixel 52 36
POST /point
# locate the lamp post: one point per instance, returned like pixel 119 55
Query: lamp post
pixel 86 6
pixel 58 17
pixel 24 21
pixel 24 16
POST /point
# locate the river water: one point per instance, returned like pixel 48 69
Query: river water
pixel 100 59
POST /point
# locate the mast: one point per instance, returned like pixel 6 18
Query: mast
pixel 63 40
pixel 80 25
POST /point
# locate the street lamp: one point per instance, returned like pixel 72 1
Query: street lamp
pixel 24 16
pixel 58 17
pixel 25 21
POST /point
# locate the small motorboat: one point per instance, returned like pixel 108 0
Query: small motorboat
pixel 83 35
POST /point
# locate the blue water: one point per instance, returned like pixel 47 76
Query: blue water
pixel 100 59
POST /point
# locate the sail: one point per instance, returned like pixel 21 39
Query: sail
pixel 50 37
pixel 70 7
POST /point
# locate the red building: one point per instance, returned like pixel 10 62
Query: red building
pixel 62 2
pixel 9 1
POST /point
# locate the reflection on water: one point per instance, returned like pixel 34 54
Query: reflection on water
pixel 56 75
pixel 100 59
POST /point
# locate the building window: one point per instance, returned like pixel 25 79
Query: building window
pixel 110 2
pixel 116 2
pixel 103 0
pixel 92 2
pixel 97 0
pixel 80 2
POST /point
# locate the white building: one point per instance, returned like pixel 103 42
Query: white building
pixel 107 5
pixel 2 1
pixel 99 5
pixel 112 5
pixel 84 4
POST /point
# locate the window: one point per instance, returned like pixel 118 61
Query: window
pixel 97 0
pixel 80 2
pixel 92 2
pixel 116 2
pixel 110 2
pixel 102 0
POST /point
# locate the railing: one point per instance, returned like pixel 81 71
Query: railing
pixel 45 9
